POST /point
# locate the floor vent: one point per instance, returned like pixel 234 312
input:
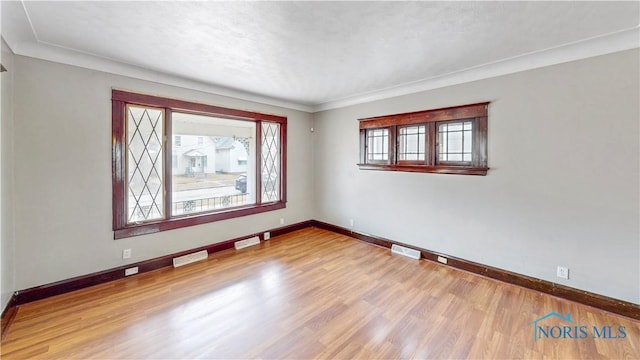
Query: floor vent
pixel 247 242
pixel 190 258
pixel 405 251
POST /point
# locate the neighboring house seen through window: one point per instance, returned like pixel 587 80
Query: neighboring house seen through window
pixel 222 163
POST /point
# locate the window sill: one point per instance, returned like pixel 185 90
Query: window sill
pixel 176 223
pixel 439 169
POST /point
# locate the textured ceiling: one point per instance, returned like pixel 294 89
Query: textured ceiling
pixel 306 53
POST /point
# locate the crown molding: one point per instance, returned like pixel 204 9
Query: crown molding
pixel 596 46
pixel 43 51
pixel 21 37
pixel 22 40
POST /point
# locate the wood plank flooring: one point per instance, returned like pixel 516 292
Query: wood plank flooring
pixel 308 294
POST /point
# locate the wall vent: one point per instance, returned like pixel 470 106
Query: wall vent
pixel 247 242
pixel 405 251
pixel 190 258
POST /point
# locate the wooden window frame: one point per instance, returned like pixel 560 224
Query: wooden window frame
pixel 119 101
pixel 476 113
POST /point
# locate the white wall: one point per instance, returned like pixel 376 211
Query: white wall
pixel 63 174
pixel 562 189
pixel 7 240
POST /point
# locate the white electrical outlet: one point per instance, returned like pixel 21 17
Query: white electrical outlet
pixel 131 271
pixel 267 235
pixel 281 221
pixel 442 259
pixel 351 222
pixel 563 272
pixel 126 254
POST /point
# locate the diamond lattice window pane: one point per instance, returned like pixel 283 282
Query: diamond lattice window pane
pixel 144 164
pixel 270 162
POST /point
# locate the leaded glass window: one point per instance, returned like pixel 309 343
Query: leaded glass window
pixel 270 162
pixel 144 164
pixel 177 163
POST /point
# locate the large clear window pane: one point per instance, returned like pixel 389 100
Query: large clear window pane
pixel 270 162
pixel 145 155
pixel 377 145
pixel 213 164
pixel 455 141
pixel 411 140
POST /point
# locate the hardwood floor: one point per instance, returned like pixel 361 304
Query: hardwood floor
pixel 311 294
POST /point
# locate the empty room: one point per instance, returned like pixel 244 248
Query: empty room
pixel 320 180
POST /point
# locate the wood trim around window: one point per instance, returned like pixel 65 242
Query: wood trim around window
pixel 426 116
pixel 192 107
pixel 477 113
pixel 120 100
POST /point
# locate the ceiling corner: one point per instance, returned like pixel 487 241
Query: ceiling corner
pixel 600 45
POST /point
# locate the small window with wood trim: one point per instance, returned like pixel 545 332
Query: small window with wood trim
pixel 450 140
